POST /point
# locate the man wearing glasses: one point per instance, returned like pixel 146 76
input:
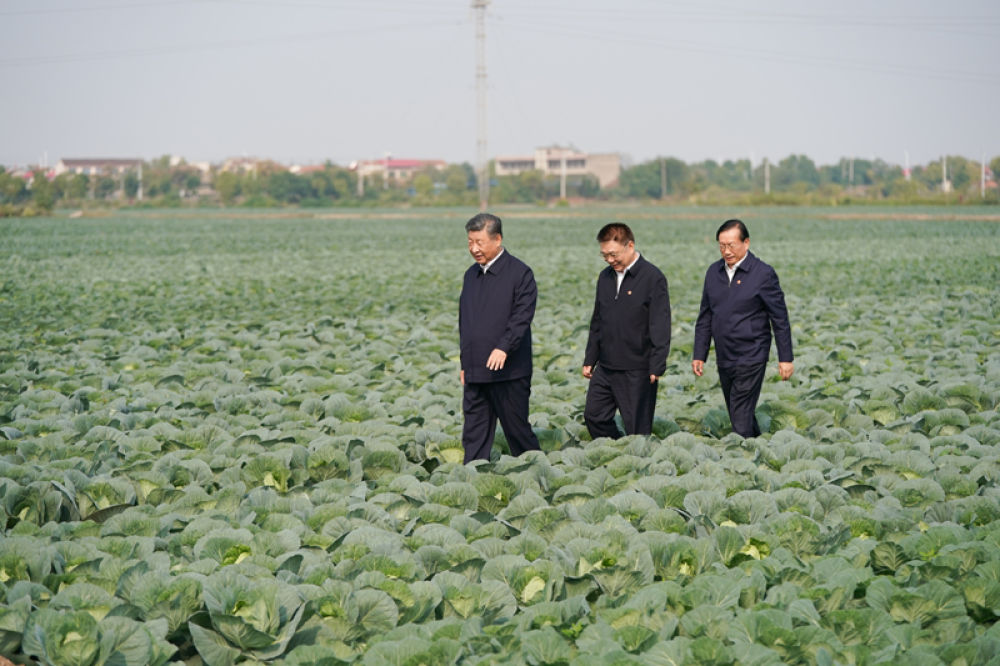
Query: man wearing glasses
pixel 740 304
pixel 629 338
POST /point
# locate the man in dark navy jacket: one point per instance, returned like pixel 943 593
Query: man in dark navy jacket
pixel 740 305
pixel 494 328
pixel 629 338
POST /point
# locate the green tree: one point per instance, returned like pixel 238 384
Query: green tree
pixel 963 173
pixel 13 188
pixel 530 186
pixel 793 170
pixel 930 175
pixel 345 183
pixel 43 193
pixel 589 187
pixel 227 184
pixel 472 178
pixel 456 180
pixel 78 187
pixel 322 185
pixel 287 187
pixel 729 175
pixel 423 185
pixel 131 184
pixel 192 181
pixel 903 190
pixel 645 181
pixel 104 187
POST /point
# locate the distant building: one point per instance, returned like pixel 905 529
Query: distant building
pixel 306 169
pixel 96 166
pixel 250 165
pixel 606 167
pixel 401 171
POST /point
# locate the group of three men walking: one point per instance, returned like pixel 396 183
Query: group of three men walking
pixel 629 337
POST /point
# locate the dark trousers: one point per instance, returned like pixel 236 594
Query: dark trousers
pixel 627 391
pixel 483 403
pixel 741 387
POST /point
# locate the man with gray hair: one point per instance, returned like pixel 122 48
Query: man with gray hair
pixel 494 329
pixel 741 303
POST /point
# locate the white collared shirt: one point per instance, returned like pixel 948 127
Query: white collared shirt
pixel 732 271
pixel 621 274
pixel 492 261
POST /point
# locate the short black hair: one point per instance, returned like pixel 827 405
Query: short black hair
pixel 492 224
pixel 616 231
pixel 729 224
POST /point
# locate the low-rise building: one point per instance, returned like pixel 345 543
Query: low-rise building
pixel 553 160
pixel 93 166
pixel 397 170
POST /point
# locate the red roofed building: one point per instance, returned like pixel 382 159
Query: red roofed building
pixel 397 170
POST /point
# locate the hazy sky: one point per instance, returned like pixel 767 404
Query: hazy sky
pixel 303 81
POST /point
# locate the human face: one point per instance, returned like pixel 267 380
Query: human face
pixel 483 247
pixel 732 248
pixel 618 256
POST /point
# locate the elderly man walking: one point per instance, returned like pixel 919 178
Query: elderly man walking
pixel 740 304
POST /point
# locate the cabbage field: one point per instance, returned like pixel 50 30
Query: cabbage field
pixel 233 437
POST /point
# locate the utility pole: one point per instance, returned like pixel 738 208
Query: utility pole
pixel 767 176
pixel 481 156
pixel 139 193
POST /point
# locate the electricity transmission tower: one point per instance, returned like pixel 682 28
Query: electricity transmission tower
pixel 481 158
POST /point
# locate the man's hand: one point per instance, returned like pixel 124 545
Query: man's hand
pixel 785 370
pixel 652 379
pixel 698 367
pixel 496 360
pixel 461 376
pixel 588 371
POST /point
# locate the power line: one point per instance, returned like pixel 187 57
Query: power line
pixel 481 154
pixel 96 8
pixel 366 5
pixel 747 15
pixel 762 54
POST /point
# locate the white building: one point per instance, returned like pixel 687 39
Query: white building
pixel 397 170
pixel 93 166
pixel 553 160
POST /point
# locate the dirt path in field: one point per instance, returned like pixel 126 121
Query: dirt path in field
pixel 921 217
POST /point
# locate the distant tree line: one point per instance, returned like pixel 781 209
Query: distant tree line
pixel 797 179
pixel 794 180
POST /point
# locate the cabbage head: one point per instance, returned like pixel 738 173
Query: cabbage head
pixel 249 619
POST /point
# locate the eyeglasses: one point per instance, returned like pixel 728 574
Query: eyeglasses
pixel 729 246
pixel 611 255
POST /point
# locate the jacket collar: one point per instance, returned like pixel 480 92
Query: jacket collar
pixel 749 262
pixel 498 264
pixel 636 268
